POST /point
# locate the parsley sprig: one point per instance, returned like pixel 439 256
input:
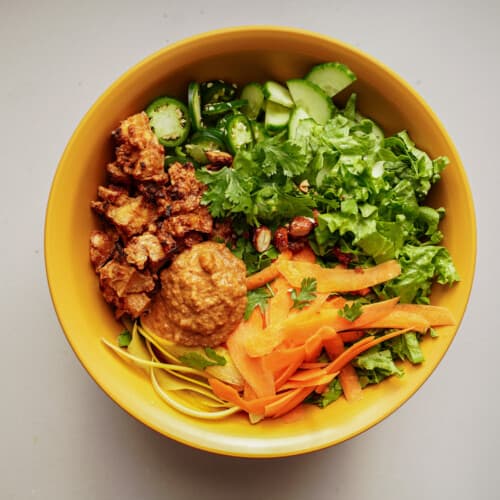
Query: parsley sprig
pixel 305 295
pixel 351 311
pixel 200 362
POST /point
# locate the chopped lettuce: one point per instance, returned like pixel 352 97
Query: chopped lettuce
pixel 332 393
pixel 368 192
pixel 375 365
pixel 407 346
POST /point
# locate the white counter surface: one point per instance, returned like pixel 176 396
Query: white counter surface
pixel 61 436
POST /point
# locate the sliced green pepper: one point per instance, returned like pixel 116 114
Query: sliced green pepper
pixel 239 133
pixel 169 119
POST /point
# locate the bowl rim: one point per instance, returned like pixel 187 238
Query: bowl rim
pixel 231 31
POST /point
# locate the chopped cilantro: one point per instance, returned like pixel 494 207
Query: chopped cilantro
pixel 257 298
pixel 199 362
pixel 306 294
pixel 351 312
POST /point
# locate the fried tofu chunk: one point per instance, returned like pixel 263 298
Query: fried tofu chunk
pixel 129 215
pixel 145 249
pixel 138 152
pixel 102 247
pixel 199 220
pixel 125 287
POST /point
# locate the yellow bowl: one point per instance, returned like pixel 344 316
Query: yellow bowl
pixel 240 54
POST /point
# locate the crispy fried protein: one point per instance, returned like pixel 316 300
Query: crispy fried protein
pixel 202 298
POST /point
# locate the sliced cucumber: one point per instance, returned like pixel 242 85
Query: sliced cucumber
pixel 277 93
pixel 311 99
pixel 194 105
pixel 276 117
pixel 331 77
pixel 254 95
pixel 169 120
pixel 298 114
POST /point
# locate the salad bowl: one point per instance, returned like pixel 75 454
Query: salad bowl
pixel 241 55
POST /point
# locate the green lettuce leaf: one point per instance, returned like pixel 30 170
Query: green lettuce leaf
pixel 375 365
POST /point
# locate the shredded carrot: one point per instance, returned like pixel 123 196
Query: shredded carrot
pixel 348 377
pixel 252 369
pixel 262 277
pixel 398 318
pixel 351 336
pixel 313 347
pixel 324 379
pixel 335 279
pixel 305 255
pixel 287 402
pixel 267 274
pixel 435 315
pixel 277 354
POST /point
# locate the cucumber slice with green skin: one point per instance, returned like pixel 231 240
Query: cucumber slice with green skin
pixel 169 120
pixel 239 133
pixel 311 99
pixel 254 95
pixel 277 93
pixel 276 117
pixel 298 114
pixel 194 105
pixel 219 108
pixel 331 77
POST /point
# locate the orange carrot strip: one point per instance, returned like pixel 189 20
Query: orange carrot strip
pixel 305 255
pixel 348 377
pixel 322 380
pixel 398 318
pixel 310 366
pixel 228 393
pixel 435 315
pixel 285 375
pixel 279 359
pixel 335 279
pixel 269 273
pixel 262 277
pixel 278 307
pixel 361 346
pixel 260 343
pixel 313 347
pixel 252 369
pixel 287 402
pixel 299 330
pixel 351 335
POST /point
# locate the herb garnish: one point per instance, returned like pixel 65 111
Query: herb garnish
pixel 305 295
pixel 351 311
pixel 200 362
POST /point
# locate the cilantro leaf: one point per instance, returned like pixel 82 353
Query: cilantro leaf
pixel 285 157
pixel 124 338
pixel 212 354
pixel 306 294
pixel 199 362
pixel 256 298
pixel 351 312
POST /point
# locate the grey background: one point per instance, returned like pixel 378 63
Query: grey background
pixel 61 437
